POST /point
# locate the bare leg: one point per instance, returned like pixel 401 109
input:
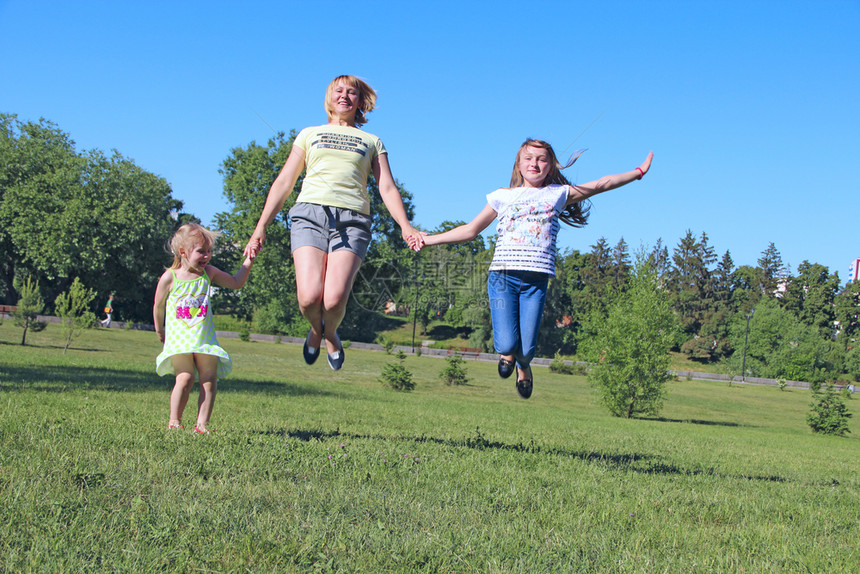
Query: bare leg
pixel 207 367
pixel 310 265
pixel 183 366
pixel 341 268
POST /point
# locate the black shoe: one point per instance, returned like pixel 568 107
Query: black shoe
pixel 506 367
pixel 524 388
pixel 310 358
pixel 335 360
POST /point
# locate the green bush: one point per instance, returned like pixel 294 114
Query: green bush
pixel 559 366
pixel 73 309
pixel 454 372
pixel 829 413
pixel 30 304
pixel 396 375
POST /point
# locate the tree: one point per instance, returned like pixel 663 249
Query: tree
pixel 746 288
pixel 454 372
pixel 829 414
pixel 852 363
pixel 30 304
pixel 597 278
pixel 73 309
pixel 630 348
pixel 658 259
pixel 723 282
pixel 779 345
pixel 37 160
pixel 692 288
pixel 773 271
pixel 396 375
pixel 811 296
pixel 620 269
pixel 64 215
pixel 846 306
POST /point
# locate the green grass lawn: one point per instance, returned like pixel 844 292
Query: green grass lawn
pixel 311 470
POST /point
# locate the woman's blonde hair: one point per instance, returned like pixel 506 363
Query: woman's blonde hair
pixel 366 98
pixel 575 214
pixel 186 237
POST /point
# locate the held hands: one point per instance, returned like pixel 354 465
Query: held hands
pixel 417 241
pixel 255 244
pixel 413 238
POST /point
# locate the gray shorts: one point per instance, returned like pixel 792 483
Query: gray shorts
pixel 329 228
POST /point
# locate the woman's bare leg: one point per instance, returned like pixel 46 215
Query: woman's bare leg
pixel 340 272
pixel 310 265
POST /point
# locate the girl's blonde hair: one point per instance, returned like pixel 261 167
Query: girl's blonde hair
pixel 575 214
pixel 366 98
pixel 186 237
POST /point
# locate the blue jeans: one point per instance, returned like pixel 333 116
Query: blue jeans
pixel 516 306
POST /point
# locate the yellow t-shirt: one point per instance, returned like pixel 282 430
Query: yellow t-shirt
pixel 338 161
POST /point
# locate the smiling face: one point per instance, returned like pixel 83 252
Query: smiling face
pixel 343 101
pixel 197 255
pixel 345 98
pixel 348 100
pixel 534 164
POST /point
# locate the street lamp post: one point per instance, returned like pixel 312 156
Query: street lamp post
pixel 415 308
pixel 746 339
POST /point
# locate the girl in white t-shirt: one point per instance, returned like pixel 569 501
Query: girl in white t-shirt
pixel 529 214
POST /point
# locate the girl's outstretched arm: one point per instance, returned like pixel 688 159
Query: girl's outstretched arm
pixel 278 194
pixel 465 232
pixel 165 283
pixel 607 182
pixel 223 279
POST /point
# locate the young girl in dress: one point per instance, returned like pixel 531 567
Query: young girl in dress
pixel 188 334
pixel 529 213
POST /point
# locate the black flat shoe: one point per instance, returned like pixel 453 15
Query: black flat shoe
pixel 310 358
pixel 524 388
pixel 506 367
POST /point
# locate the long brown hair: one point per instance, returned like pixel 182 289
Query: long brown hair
pixel 575 214
pixel 366 97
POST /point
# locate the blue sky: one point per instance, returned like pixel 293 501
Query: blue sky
pixel 750 107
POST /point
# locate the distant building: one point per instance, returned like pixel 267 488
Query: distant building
pixel 854 270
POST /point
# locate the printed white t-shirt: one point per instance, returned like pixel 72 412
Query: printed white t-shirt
pixel 527 227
